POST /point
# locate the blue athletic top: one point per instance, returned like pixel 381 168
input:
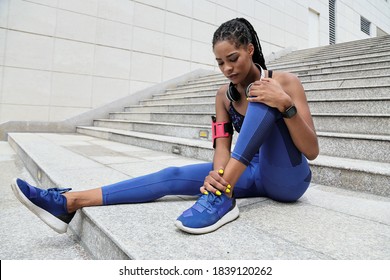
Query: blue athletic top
pixel 236 118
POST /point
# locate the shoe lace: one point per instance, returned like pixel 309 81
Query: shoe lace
pixel 208 200
pixel 55 192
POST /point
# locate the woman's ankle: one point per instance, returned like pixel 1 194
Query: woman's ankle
pixel 70 203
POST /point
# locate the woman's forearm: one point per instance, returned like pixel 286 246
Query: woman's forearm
pixel 221 158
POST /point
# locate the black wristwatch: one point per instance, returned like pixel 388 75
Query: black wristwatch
pixel 290 112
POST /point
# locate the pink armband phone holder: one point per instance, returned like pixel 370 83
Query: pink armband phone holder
pixel 220 129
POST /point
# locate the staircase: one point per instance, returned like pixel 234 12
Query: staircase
pixel 348 90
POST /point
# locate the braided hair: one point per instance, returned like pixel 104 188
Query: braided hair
pixel 240 32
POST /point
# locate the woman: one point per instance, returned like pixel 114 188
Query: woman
pixel 277 134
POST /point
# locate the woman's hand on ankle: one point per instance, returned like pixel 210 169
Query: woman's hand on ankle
pixel 215 183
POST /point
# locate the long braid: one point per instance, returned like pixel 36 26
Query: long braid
pixel 241 32
pixel 258 56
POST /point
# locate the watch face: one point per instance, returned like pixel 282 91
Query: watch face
pixel 290 112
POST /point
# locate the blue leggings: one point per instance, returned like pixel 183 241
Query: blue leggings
pixel 275 167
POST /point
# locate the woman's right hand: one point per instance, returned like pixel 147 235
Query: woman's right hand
pixel 215 183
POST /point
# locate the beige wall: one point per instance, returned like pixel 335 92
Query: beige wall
pixel 59 58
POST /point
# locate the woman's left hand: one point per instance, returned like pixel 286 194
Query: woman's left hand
pixel 271 93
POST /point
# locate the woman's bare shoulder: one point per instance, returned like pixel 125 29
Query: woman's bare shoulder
pixel 285 78
pixel 222 89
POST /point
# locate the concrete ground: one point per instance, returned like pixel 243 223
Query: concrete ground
pixel 326 223
pixel 23 236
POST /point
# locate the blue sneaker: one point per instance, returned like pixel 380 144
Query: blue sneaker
pixel 209 213
pixel 49 205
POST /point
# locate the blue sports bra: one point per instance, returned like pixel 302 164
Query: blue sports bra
pixel 236 118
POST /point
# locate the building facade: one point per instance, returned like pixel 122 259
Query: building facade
pixel 60 58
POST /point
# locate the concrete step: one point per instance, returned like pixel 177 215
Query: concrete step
pixel 377 61
pixel 351 47
pixel 375 71
pixel 335 105
pixel 349 92
pixel 171 117
pixel 193 88
pixel 353 123
pixel 359 44
pixel 202 150
pixel 335 82
pixel 348 82
pixel 370 65
pixel 343 56
pixel 362 43
pixel 190 92
pixel 216 81
pixel 344 220
pixel 365 48
pixel 360 123
pixel 309 78
pixel 160 128
pixel 353 174
pixel 190 98
pixel 350 106
pixel 210 80
pixel 324 93
pixel 179 107
pixel 360 69
pixel 191 148
pixel 347 74
pixel 355 146
pixel 327 68
pixel 329 54
pixel 374 82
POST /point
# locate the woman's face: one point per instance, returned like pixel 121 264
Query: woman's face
pixel 233 62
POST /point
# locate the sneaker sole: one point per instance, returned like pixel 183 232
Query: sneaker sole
pixel 53 222
pixel 227 218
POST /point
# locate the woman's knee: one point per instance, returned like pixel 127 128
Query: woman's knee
pixel 285 196
pixel 286 193
pixel 171 171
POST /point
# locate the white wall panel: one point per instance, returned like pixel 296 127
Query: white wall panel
pixel 148 41
pixel 149 17
pixel 4 4
pixel 82 54
pixel 106 89
pixel 25 86
pixel 73 57
pixel 146 67
pixel 30 17
pixel 116 10
pixel 115 34
pixel 89 7
pixel 111 62
pixel 178 25
pixel 76 26
pixel 67 90
pixel 29 50
pixel 177 47
pixel 173 68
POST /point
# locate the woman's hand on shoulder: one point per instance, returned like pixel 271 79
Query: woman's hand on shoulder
pixel 270 92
